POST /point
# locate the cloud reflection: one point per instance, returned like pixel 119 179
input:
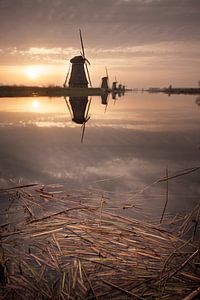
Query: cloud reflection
pixel 120 154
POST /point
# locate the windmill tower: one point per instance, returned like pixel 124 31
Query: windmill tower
pixel 79 75
pixel 120 87
pixel 114 85
pixel 104 82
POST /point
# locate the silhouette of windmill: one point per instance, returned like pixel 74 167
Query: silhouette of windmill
pixel 197 101
pixel 104 100
pixel 114 85
pixel 104 82
pixel 78 70
pixel 79 110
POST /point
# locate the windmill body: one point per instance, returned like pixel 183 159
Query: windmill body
pixel 78 107
pixel 104 99
pixel 120 87
pixel 104 83
pixel 78 77
pixel 114 86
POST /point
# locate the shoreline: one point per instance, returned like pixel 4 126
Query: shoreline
pixel 55 91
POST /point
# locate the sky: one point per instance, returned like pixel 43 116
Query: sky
pixel 143 43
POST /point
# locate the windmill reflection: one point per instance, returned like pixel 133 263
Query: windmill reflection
pixel 117 94
pixel 79 107
pixel 197 101
pixel 104 100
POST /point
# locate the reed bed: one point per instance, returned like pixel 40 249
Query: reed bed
pixel 55 245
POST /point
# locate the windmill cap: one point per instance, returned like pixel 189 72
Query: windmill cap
pixel 78 60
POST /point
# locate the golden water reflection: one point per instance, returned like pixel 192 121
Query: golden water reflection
pixel 126 147
pixel 138 111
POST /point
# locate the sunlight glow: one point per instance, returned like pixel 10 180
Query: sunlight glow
pixel 34 71
pixel 35 105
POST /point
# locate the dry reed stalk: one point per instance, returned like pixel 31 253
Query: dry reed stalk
pixel 167 196
pixel 193 294
pixel 19 187
pixel 123 290
pixel 130 251
pixel 180 173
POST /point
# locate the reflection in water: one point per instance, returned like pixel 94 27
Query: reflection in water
pixel 127 148
pixel 79 110
pixel 36 105
pixel 79 107
pixel 198 101
pixel 117 94
pixel 104 100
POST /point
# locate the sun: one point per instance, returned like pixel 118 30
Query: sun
pixel 35 105
pixel 33 72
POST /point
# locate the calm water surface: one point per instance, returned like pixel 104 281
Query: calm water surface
pixel 127 145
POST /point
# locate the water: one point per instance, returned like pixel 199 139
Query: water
pixel 127 145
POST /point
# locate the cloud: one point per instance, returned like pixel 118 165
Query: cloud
pixel 137 35
pixel 55 23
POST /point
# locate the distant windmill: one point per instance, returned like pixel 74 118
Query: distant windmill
pixel 78 70
pixel 120 87
pixel 114 85
pixel 104 83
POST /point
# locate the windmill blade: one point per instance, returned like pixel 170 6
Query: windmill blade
pixel 107 76
pixel 87 61
pixel 106 108
pixel 66 78
pixel 86 119
pixel 85 58
pixel 68 106
pixel 82 47
pixel 88 108
pixel 88 74
pixel 106 71
pixel 83 131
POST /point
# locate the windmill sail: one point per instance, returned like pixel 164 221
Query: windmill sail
pixel 79 76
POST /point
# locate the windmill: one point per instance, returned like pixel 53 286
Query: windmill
pixel 198 101
pixel 104 83
pixel 114 85
pixel 79 110
pixel 78 70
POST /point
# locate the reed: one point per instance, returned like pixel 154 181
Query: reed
pixel 61 246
